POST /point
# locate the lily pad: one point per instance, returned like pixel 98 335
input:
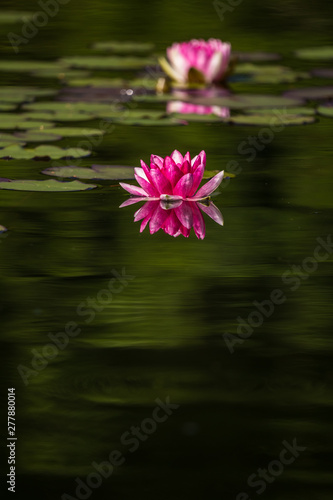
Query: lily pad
pixel 10 121
pixel 22 94
pixel 123 47
pixel 7 107
pixel 324 53
pixel 194 117
pixel 21 66
pixel 106 62
pixel 48 152
pixel 71 107
pixel 270 120
pixel 44 185
pixel 297 110
pixel 269 74
pixel 9 17
pixel 60 73
pixel 241 101
pixel 74 131
pixel 311 93
pixel 8 139
pixel 256 56
pixel 59 116
pixel 325 111
pixel 323 72
pixel 100 172
pixel 151 122
pixel 37 136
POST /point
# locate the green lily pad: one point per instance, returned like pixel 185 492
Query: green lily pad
pixel 152 98
pixel 241 101
pixel 44 185
pixel 100 172
pixel 123 47
pixel 325 111
pixel 37 136
pixel 9 17
pixel 70 107
pixel 208 174
pixel 7 107
pixel 270 120
pixel 150 122
pixel 106 62
pixel 255 56
pixel 96 82
pixel 49 152
pixel 311 93
pixel 8 139
pixel 22 94
pixel 193 117
pixel 74 131
pixel 134 114
pixel 59 116
pixel 324 53
pixel 21 66
pixel 10 121
pixel 297 110
pixel 60 73
pixel 269 74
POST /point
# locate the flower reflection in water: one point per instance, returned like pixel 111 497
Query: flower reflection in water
pixel 197 109
pixel 175 217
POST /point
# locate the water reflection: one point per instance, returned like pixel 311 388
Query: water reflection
pixel 197 109
pixel 175 217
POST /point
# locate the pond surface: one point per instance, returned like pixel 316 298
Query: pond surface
pixel 234 330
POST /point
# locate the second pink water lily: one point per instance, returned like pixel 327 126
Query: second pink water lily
pixel 175 177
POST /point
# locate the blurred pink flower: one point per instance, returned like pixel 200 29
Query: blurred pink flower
pixel 210 60
pixel 176 217
pixel 173 178
pixel 197 109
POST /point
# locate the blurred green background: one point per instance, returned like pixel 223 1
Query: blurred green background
pixel 163 334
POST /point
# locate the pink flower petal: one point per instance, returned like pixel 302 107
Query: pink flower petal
pixel 149 188
pixel 177 157
pixel 184 186
pixel 161 183
pixel 197 178
pixel 210 186
pixel 186 167
pixel 158 218
pixel 146 210
pixel 137 191
pixel 157 161
pixel 171 225
pixel 198 222
pixel 185 214
pixel 213 212
pixel 131 201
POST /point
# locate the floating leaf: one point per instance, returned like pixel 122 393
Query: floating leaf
pixel 311 93
pixel 74 131
pixel 256 56
pixel 28 66
pixel 117 83
pixel 52 152
pixel 325 111
pixel 10 121
pixel 8 139
pixel 240 101
pixel 151 122
pixel 8 16
pixel 44 185
pixel 60 73
pixel 123 47
pixel 59 116
pixel 194 117
pixel 70 107
pixel 22 94
pixel 324 53
pixel 208 174
pixel 323 72
pixel 7 107
pixel 100 172
pixel 269 74
pixel 270 120
pixel 106 62
pixel 297 110
pixel 37 136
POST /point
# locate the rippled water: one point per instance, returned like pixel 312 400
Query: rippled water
pixel 168 329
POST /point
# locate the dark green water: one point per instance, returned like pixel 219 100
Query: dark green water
pixel 162 335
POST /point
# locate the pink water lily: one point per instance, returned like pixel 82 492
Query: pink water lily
pixel 176 177
pixel 209 60
pixel 177 217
